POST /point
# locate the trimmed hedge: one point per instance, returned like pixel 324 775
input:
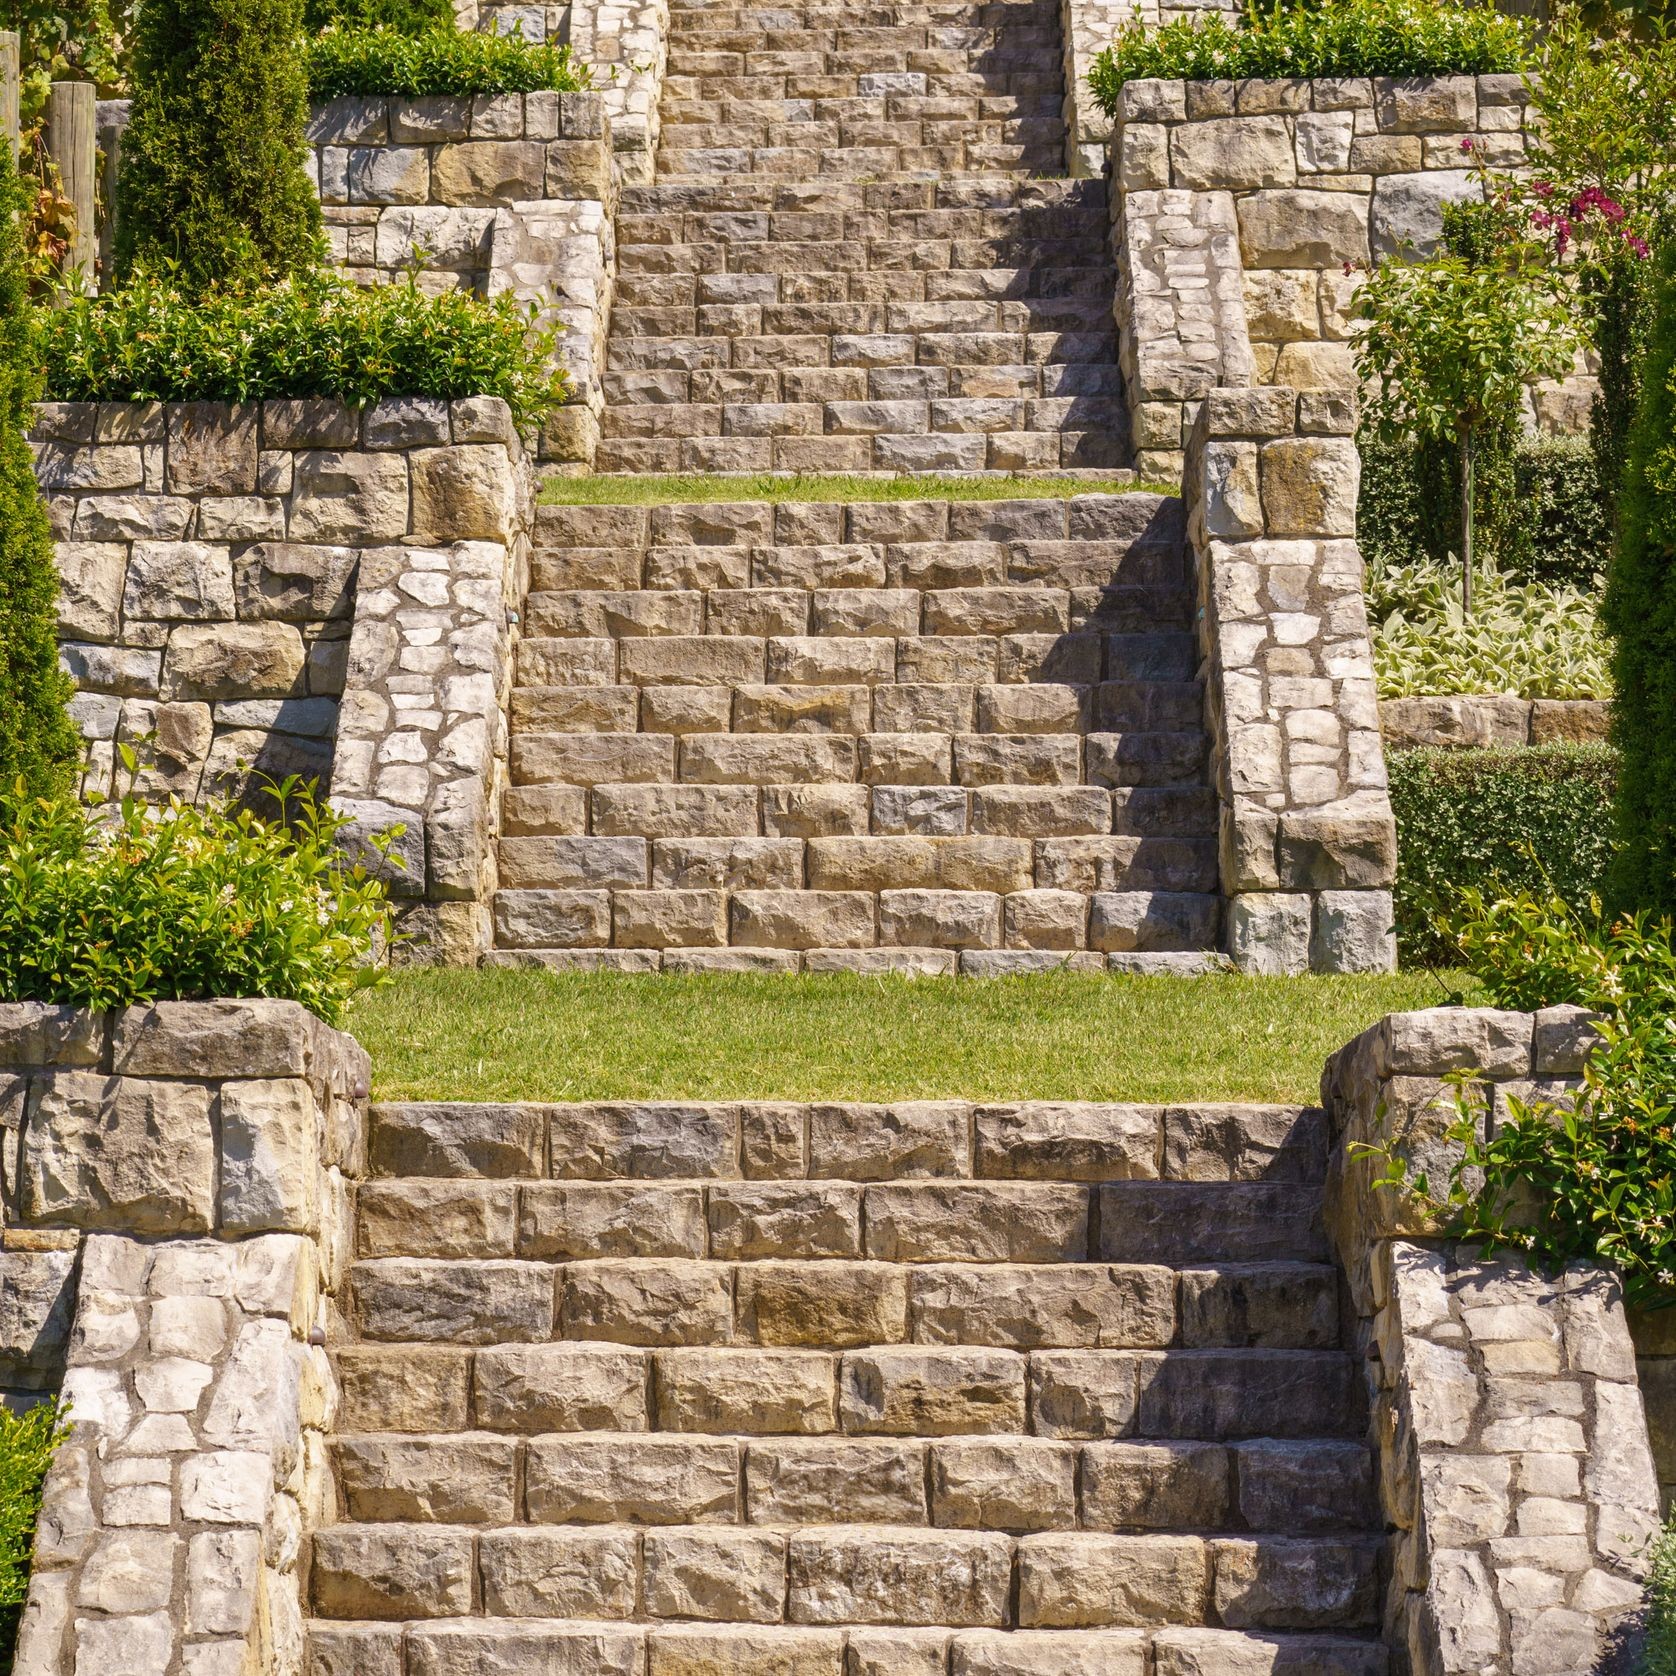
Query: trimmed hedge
pixel 446 62
pixel 316 335
pixel 1334 38
pixel 1530 818
pixel 37 742
pixel 1541 515
pixel 1640 613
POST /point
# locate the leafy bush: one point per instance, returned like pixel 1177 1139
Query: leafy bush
pixel 145 902
pixel 437 61
pixel 315 335
pixel 37 742
pixel 27 1444
pixel 67 40
pixel 1590 1175
pixel 1335 38
pixel 1640 612
pixel 1530 639
pixel 1540 511
pixel 1504 820
pixel 212 182
pixel 1658 1649
pixel 410 16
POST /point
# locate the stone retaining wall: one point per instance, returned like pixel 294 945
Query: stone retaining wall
pixel 1408 723
pixel 1308 842
pixel 1514 1459
pixel 177 1227
pixel 299 587
pixel 1238 205
pixel 514 193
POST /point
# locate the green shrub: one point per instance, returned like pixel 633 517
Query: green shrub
pixel 1640 613
pixel 213 181
pixel 27 1444
pixel 316 335
pixel 1335 38
pixel 1530 639
pixel 1512 820
pixel 37 742
pixel 409 16
pixel 1658 1651
pixel 437 61
pixel 143 903
pixel 1541 516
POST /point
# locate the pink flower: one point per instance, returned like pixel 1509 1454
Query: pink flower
pixel 1638 245
pixel 1467 143
pixel 1543 188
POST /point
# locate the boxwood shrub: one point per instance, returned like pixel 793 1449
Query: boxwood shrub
pixel 441 61
pixel 315 335
pixel 1333 38
pixel 1529 818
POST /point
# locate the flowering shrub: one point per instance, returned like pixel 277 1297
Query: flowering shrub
pixel 436 61
pixel 1591 1175
pixel 1334 38
pixel 314 335
pixel 143 903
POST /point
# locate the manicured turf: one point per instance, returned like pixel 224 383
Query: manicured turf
pixel 674 491
pixel 500 1035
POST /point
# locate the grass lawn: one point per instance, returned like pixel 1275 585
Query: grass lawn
pixel 506 1035
pixel 805 486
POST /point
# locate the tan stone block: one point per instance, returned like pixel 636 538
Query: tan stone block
pixel 822 1304
pixel 1155 1486
pixel 923 707
pixel 657 919
pixel 560 1573
pixel 931 1393
pixel 1318 1584
pixel 576 1220
pixel 232 661
pixel 479 172
pixel 420 1218
pixel 513 1647
pixel 650 1480
pixel 954 919
pixel 460 1479
pixel 831 660
pixel 1068 1141
pixel 785 1219
pixel 850 1481
pixel 929 1577
pixel 1285 228
pixel 751 1391
pixel 355 498
pixel 885 1143
pixel 977 1222
pixel 593 759
pixel 1017 1484
pixel 401 1571
pixel 631 1302
pixel 1047 1306
pixel 1084 1580
pixel 814 811
pixel 694 660
pixel 735 1576
pixel 682 710
pixel 465 493
pixel 811 709
pixel 559 1388
pixel 982 759
pixel 1045 919
pixel 896 1652
pixel 1282 304
pixel 660 811
pixel 727 864
pixel 960 864
pixel 1232 154
pixel 410 1389
pixel 803 919
pixel 1075 1653
pixel 717 1650
pixel 905 759
pixel 755 759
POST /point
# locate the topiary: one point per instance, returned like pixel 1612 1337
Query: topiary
pixel 213 178
pixel 1640 614
pixel 37 742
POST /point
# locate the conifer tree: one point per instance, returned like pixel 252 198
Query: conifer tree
pixel 213 178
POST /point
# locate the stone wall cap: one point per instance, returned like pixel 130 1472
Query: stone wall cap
pixel 1561 1039
pixel 1266 410
pixel 214 1039
pixel 1152 100
pixel 34 1034
pixel 1440 1040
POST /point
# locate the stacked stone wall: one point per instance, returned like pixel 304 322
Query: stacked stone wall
pixel 297 586
pixel 177 1227
pixel 1243 212
pixel 1493 720
pixel 1515 1466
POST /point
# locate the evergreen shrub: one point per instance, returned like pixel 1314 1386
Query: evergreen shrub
pixel 28 1442
pixel 409 16
pixel 213 185
pixel 1531 818
pixel 442 61
pixel 37 743
pixel 1332 38
pixel 1640 614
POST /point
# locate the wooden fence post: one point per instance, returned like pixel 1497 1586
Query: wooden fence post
pixel 71 120
pixel 8 85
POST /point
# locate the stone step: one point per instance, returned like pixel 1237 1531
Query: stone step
pixel 841 123
pixel 828 197
pixel 878 286
pixel 455 1646
pixel 884 1575
pixel 894 422
pixel 1204 1144
pixel 806 257
pixel 1001 453
pixel 857 162
pixel 1002 1482
pixel 977 316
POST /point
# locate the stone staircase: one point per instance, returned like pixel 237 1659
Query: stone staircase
pixel 845 265
pixel 841 1390
pixel 905 735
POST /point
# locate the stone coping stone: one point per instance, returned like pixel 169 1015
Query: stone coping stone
pixel 1468 721
pixel 1169 100
pixel 381 119
pixel 397 423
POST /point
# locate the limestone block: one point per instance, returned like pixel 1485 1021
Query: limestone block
pixel 1087 1580
pixel 1269 932
pixel 36 1034
pixel 212 448
pixel 803 919
pixel 466 493
pixel 559 1573
pixel 886 1143
pixel 1281 305
pixel 651 1480
pixel 560 1388
pixel 386 174
pixel 294 582
pixel 1317 367
pixel 1155 1486
pixel 732 1575
pixel 932 1393
pixel 1236 154
pixel 1348 845
pixel 722 1650
pixel 1025 1484
pixel 835 1577
pixel 1354 931
pixel 270 1157
pixel 1407 216
pixel 233 661
pixel 1067 1653
pixel 1302 228
pixel 1310 486
pixel 1143 156
pixel 1050 1306
pixel 37 1299
pixel 1426 104
pixel 118 1153
pixel 753 1391
pixel 833 1304
pixel 90 585
pixel 631 1302
pixel 404 1571
pixel 343 496
pixel 1300 1584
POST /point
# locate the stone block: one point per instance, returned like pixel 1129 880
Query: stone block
pixel 1074 1581
pixel 1269 933
pixel 355 498
pixel 1310 485
pixel 932 1393
pixel 822 1304
pixel 626 1301
pixel 751 1391
pixel 648 1480
pixel 1022 1484
pixel 1233 154
pixel 532 1573
pixel 464 493
pixel 233 661
pixel 731 1575
pixel 1302 228
pixel 1043 1307
pixel 1407 214
pixel 270 1157
pixel 212 448
pixel 390 1572
pixel 836 1577
pixel 724 1650
pixel 535 1388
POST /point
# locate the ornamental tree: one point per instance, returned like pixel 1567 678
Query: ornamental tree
pixel 37 742
pixel 213 181
pixel 1448 346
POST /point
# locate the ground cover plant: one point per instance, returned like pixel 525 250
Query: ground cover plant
pixel 37 743
pixel 173 902
pixel 441 60
pixel 533 1035
pixel 797 486
pixel 1332 38
pixel 315 334
pixel 1528 639
pixel 1531 818
pixel 28 1442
